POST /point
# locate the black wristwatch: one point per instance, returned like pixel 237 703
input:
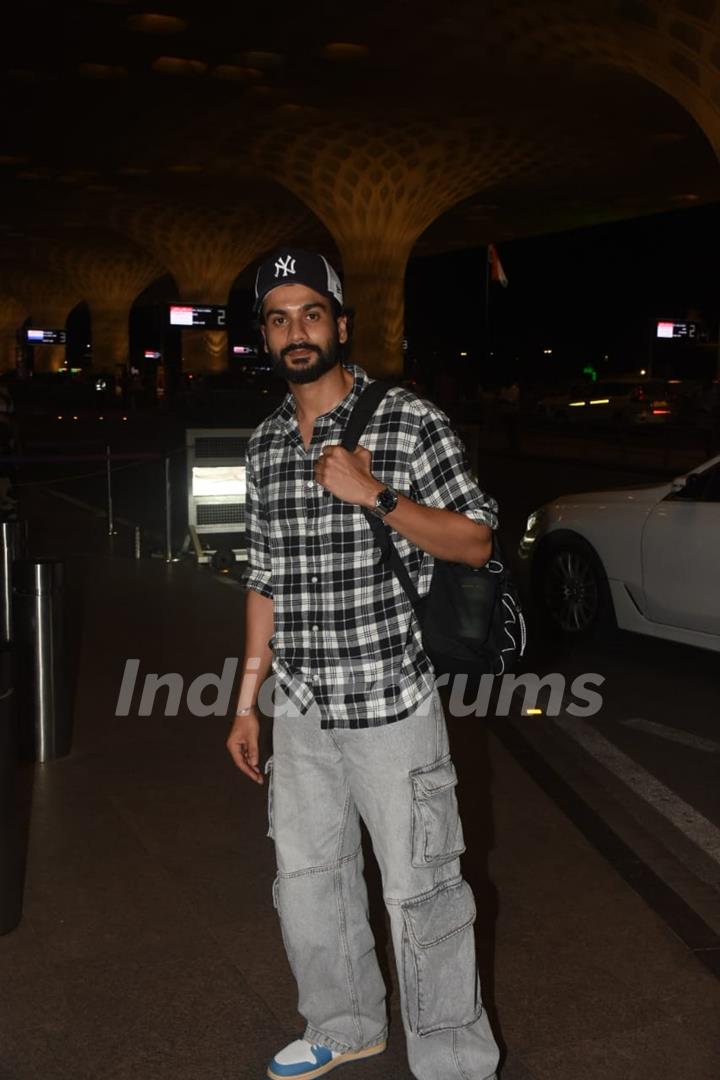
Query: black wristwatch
pixel 385 502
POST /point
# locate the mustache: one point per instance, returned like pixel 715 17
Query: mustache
pixel 299 345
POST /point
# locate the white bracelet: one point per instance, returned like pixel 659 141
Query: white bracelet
pixel 245 711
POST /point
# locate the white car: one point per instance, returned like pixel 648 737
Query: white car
pixel 649 558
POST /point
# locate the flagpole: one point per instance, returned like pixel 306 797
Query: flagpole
pixel 487 311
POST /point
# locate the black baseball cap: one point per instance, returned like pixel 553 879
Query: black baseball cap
pixel 293 266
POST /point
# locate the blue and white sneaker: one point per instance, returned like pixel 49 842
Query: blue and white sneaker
pixel 306 1060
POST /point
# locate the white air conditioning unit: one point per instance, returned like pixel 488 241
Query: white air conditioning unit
pixel 216 490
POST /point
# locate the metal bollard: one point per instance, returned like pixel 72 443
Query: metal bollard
pixel 108 475
pixel 12 861
pixel 45 716
pixel 168 512
pixel 13 545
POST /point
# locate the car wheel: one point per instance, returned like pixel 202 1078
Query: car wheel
pixel 571 590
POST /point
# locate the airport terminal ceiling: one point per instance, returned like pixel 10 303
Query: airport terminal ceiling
pixel 189 138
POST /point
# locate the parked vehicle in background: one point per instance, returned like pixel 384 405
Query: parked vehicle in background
pixel 646 558
pixel 706 398
pixel 627 400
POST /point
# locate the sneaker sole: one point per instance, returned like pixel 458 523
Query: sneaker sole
pixel 352 1055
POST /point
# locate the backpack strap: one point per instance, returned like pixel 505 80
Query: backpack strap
pixel 391 557
pixel 364 409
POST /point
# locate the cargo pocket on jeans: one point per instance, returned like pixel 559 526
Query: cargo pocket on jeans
pixel 438 960
pixel 270 807
pixel 437 835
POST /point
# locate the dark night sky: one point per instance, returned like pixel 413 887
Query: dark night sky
pixel 585 294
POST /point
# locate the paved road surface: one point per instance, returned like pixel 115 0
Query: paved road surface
pixel 647 765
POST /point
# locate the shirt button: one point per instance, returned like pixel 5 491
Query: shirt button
pixel 314 579
pixel 315 628
pixel 309 483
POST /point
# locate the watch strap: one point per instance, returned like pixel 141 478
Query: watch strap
pixel 379 510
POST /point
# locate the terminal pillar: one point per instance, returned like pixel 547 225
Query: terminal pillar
pixel 374 285
pixel 110 337
pixel 8 346
pixel 377 188
pixel 205 245
pixel 204 351
pixel 12 315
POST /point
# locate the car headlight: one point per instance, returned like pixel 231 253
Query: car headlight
pixel 533 522
pixel 532 528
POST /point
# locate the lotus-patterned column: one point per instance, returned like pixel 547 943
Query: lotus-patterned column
pixel 48 298
pixel 206 248
pixel 377 187
pixel 110 274
pixel 12 315
pixel 673 44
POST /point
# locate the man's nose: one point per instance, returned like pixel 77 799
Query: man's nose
pixel 296 328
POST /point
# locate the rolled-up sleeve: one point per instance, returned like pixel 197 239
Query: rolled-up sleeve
pixel 257 576
pixel 441 475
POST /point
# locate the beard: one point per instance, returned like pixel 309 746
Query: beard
pixel 313 369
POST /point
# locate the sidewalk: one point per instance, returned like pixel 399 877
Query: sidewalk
pixel 149 947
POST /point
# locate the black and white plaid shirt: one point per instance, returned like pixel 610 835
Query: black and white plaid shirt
pixel 345 634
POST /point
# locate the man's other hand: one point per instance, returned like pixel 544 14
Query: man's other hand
pixel 242 743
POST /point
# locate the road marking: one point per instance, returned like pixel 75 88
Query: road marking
pixel 683 816
pixel 672 734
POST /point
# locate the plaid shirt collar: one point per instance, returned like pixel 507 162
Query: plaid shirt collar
pixel 285 417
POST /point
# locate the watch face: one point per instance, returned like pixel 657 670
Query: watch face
pixel 387 500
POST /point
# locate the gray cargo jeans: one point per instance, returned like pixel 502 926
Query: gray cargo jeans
pixel 399 778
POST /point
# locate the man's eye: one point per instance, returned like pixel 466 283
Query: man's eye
pixel 313 315
pixel 278 320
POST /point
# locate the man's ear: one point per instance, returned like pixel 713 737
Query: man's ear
pixel 342 329
pixel 264 337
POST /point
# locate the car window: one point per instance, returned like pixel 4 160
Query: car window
pixel 700 487
pixel 711 487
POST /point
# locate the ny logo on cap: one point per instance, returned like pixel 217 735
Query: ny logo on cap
pixel 285 264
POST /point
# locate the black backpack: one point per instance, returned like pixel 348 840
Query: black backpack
pixel 471 619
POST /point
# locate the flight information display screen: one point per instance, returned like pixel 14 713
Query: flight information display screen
pixel 209 316
pixel 688 331
pixel 46 337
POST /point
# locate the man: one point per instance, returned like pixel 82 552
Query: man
pixel 364 733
